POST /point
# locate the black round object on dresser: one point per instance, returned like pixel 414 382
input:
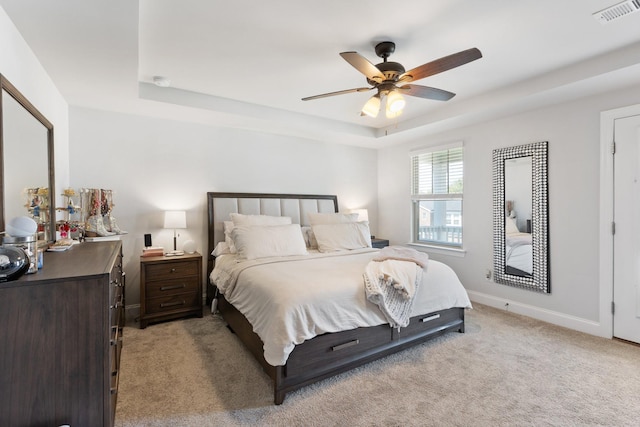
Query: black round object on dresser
pixel 13 263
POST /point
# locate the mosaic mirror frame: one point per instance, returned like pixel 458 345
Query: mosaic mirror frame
pixel 539 280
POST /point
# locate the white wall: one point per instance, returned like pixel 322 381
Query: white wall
pixel 155 164
pixel 572 130
pixel 21 67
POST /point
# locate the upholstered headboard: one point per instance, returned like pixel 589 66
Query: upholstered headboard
pixel 296 206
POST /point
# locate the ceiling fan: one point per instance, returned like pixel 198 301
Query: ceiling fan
pixel 390 78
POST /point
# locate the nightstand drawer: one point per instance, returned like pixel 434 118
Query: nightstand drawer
pixel 177 286
pixel 173 303
pixel 172 269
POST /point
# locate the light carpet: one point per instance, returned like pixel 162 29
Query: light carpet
pixel 505 370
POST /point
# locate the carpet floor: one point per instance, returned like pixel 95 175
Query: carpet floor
pixel 505 370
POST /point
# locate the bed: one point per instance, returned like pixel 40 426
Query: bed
pixel 299 349
pixel 518 251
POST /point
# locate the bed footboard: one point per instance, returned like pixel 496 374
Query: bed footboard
pixel 333 353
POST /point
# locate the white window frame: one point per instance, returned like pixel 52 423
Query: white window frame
pixel 416 197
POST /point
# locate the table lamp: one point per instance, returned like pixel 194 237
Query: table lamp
pixel 175 220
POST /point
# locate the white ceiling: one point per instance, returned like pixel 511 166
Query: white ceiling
pixel 248 63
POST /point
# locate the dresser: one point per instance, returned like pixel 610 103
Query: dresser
pixel 61 338
pixel 170 287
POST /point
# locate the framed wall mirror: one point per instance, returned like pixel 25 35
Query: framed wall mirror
pixel 521 217
pixel 27 171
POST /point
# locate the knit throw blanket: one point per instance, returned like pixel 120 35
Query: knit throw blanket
pixel 391 281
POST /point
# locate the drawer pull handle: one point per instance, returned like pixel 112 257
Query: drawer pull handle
pixel 172 304
pixel 427 319
pixel 169 288
pixel 173 270
pixel 345 345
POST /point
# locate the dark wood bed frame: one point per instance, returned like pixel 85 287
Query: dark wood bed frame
pixel 332 353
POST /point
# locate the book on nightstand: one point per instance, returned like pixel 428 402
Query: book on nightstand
pixel 153 251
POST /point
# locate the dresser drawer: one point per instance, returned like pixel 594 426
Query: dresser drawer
pixel 335 347
pixel 171 269
pixel 173 303
pixel 177 286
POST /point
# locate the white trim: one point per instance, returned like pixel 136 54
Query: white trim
pixel 549 316
pixel 441 250
pixel 607 123
pixel 433 148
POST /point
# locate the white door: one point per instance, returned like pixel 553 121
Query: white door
pixel 626 240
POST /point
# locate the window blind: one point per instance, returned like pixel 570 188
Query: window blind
pixel 438 174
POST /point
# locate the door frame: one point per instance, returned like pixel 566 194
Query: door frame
pixel 607 126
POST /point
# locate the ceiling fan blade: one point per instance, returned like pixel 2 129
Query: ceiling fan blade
pixel 363 65
pixel 439 65
pixel 340 92
pixel 426 92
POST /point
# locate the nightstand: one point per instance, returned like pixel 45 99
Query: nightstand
pixel 379 243
pixel 170 287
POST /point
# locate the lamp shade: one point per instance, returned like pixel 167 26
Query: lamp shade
pixel 175 219
pixel 372 106
pixel 395 102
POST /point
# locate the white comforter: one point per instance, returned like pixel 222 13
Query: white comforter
pixel 291 299
pixel 519 252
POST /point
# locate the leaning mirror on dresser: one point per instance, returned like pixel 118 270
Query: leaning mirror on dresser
pixel 521 217
pixel 27 174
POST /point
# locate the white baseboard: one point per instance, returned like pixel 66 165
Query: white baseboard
pixel 554 317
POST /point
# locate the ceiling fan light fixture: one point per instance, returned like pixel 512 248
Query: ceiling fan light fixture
pixel 395 102
pixel 392 115
pixel 372 107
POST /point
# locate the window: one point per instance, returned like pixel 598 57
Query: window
pixel 436 193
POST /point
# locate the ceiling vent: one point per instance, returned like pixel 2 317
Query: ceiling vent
pixel 617 11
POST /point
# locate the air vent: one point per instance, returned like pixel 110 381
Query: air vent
pixel 617 11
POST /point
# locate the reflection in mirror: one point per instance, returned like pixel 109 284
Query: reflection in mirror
pixel 27 174
pixel 518 198
pixel 520 209
pixel 23 139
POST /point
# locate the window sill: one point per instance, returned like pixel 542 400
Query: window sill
pixel 441 250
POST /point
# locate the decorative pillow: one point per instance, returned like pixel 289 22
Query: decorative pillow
pixel 342 236
pixel 305 235
pixel 221 249
pixel 241 219
pixel 253 242
pixel 228 227
pixel 331 218
pixel 313 242
pixel 510 226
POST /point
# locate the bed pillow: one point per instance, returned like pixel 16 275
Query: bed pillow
pixel 331 218
pixel 342 236
pixel 510 226
pixel 241 219
pixel 253 242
